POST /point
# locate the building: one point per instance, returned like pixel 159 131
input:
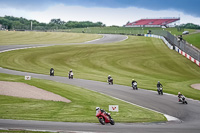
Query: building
pixel 160 22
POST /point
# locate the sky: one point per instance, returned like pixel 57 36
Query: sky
pixel 109 12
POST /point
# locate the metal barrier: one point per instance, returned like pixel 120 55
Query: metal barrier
pixel 181 44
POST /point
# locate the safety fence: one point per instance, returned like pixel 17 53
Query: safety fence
pixel 181 44
pixel 190 52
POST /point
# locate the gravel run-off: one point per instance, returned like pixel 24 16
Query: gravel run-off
pixel 196 86
pixel 17 89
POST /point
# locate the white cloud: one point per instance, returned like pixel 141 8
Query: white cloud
pixel 109 16
pixel 13 12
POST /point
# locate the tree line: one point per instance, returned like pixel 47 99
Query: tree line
pixel 190 26
pixel 15 23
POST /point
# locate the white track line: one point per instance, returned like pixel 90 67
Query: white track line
pixel 20 48
pixel 94 40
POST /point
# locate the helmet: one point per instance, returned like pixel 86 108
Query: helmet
pixel 109 76
pixel 133 79
pixel 97 108
pixel 158 81
pixel 179 92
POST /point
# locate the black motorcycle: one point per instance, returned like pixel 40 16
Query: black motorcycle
pixel 160 91
pixel 71 75
pixel 110 81
pixel 134 85
pixel 182 100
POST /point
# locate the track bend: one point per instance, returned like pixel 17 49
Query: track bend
pixel 167 104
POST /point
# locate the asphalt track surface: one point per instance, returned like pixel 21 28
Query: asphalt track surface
pixel 188 115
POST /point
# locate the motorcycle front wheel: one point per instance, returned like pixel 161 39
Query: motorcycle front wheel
pixel 101 120
pixel 112 122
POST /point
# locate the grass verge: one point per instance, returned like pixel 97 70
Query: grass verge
pixel 27 37
pixel 193 39
pixel 81 109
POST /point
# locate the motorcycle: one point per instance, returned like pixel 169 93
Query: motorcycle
pixel 160 91
pixel 104 118
pixel 71 75
pixel 134 85
pixel 182 100
pixel 51 72
pixel 110 81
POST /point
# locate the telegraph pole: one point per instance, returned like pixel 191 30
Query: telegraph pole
pixel 31 25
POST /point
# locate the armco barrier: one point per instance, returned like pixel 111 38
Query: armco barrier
pixel 160 37
pixel 176 48
pixel 181 44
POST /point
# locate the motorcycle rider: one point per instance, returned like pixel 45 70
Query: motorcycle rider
pixel 98 109
pixel 70 73
pixel 133 81
pixel 109 78
pixel 159 85
pixel 51 70
pixel 180 96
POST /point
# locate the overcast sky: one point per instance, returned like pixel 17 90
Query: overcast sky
pixel 109 12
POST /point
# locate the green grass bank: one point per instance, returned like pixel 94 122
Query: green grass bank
pixel 193 39
pixel 147 60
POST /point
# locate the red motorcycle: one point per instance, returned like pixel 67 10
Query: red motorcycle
pixel 104 117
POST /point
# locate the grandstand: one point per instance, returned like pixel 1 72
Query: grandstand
pixel 161 22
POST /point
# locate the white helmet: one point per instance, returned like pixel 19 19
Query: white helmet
pixel 97 108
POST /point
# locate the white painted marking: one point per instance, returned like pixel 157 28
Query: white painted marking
pixel 94 40
pixel 192 59
pixel 171 118
pixel 21 48
pixel 188 56
pixel 180 51
pixel 197 62
pixel 183 53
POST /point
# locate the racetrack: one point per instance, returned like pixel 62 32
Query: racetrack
pixel 167 104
